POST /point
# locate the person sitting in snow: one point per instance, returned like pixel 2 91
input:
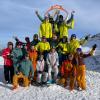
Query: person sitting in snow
pixel 68 72
pixel 24 72
pixel 81 67
pixel 40 68
pixel 52 61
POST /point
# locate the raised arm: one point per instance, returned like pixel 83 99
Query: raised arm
pixel 40 17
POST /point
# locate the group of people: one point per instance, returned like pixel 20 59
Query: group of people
pixel 54 58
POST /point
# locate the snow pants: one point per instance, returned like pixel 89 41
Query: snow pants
pixel 9 73
pixel 81 76
pixel 42 76
pixel 16 79
pixel 54 70
pixel 65 79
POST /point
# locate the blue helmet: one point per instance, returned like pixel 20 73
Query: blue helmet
pixel 73 35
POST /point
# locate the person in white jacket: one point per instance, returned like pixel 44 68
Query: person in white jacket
pixel 52 63
pixel 41 74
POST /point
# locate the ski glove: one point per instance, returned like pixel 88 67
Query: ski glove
pixel 86 38
pixel 94 46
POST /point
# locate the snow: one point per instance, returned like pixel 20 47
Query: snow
pixel 56 92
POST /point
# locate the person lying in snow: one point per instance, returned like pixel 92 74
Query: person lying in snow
pixel 24 72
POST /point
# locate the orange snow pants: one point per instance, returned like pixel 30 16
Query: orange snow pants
pixel 80 77
pixel 71 76
pixel 16 79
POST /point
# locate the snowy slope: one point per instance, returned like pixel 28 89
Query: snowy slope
pixel 56 92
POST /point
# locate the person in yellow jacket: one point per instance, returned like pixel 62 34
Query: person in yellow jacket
pixel 81 67
pixel 46 29
pixel 64 26
pixel 75 43
pixel 43 46
pixel 63 49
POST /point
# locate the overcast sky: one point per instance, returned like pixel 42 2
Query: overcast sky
pixel 17 17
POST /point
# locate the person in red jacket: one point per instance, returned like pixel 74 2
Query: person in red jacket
pixel 68 72
pixel 8 63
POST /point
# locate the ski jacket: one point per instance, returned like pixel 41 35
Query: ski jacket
pixel 45 30
pixel 40 65
pixel 7 61
pixel 52 59
pixel 63 29
pixel 33 57
pixel 43 46
pixel 25 67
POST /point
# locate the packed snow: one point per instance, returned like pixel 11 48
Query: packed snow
pixel 56 92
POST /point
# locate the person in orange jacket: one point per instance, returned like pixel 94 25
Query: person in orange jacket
pixel 68 72
pixel 81 67
pixel 33 57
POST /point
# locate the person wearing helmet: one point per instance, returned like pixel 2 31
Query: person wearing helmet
pixel 75 43
pixel 81 67
pixel 8 63
pixel 45 29
pixel 35 40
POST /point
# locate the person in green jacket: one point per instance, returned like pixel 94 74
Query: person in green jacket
pixel 25 72
pixel 17 56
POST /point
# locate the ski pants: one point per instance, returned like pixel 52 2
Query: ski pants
pixel 16 79
pixel 54 70
pixel 68 77
pixel 42 76
pixel 9 73
pixel 81 76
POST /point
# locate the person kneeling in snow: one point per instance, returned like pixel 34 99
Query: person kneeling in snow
pixel 81 67
pixel 68 72
pixel 41 74
pixel 53 63
pixel 24 72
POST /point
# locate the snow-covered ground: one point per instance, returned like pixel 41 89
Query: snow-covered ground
pixel 55 92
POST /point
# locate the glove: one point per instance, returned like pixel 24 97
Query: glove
pixel 94 46
pixel 36 12
pixel 72 12
pixel 86 38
